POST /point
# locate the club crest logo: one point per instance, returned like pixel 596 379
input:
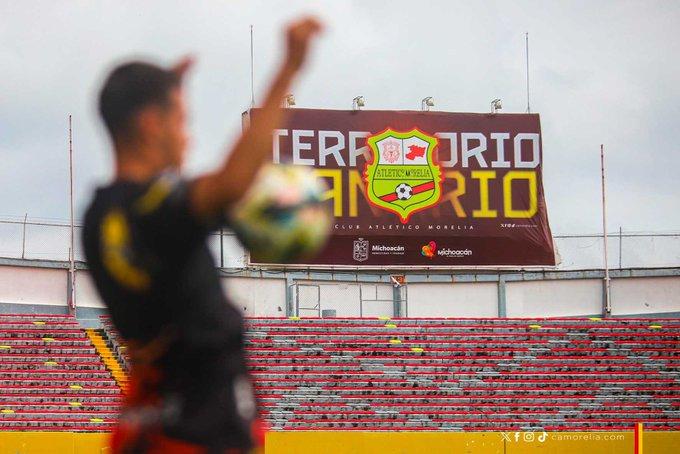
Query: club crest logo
pixel 360 251
pixel 402 177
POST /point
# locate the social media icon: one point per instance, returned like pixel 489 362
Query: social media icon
pixel 529 437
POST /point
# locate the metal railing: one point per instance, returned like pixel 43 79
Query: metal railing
pixel 50 240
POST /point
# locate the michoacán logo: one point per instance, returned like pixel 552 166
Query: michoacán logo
pixel 429 249
pixel 446 252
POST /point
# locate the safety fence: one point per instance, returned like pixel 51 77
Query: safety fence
pixel 51 240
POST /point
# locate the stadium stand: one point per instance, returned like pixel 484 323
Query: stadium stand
pixel 467 374
pixel 52 378
pixel 377 374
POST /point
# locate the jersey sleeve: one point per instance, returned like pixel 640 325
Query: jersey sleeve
pixel 163 215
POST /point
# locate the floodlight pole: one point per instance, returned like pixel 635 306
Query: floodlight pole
pixel 607 282
pixel 252 69
pixel 72 261
pixel 526 36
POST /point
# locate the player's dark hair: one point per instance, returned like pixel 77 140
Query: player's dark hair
pixel 128 88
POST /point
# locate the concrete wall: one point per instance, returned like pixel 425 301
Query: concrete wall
pixel 554 298
pixel 478 299
pixel 39 286
pixel 24 285
pixel 645 295
pixel 86 295
pixel 262 297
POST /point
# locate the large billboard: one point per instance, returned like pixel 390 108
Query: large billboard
pixel 424 189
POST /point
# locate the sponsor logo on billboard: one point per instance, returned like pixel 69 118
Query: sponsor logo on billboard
pixel 429 249
pixel 446 252
pixel 379 249
pixel 360 251
pixel 403 177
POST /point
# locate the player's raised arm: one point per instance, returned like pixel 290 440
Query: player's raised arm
pixel 216 191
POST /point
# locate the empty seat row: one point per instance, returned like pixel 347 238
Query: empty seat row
pixel 466 374
pixel 52 377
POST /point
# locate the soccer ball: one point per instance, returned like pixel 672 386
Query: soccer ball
pixel 404 191
pixel 282 217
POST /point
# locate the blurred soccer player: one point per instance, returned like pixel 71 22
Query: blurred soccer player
pixel 145 242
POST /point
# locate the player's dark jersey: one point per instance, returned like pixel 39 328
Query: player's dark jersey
pixel 149 259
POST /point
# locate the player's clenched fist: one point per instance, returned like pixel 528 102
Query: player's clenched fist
pixel 298 36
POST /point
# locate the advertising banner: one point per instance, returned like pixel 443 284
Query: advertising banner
pixel 424 189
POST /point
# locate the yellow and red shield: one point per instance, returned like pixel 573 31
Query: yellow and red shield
pixel 403 177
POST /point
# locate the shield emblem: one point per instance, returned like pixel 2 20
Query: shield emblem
pixel 402 177
pixel 360 252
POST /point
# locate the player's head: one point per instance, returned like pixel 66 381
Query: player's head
pixel 142 105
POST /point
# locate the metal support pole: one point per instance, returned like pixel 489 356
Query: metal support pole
pixel 72 254
pixel 607 287
pixel 399 302
pixel 361 300
pixel 502 306
pixel 396 300
pixel 620 246
pixel 290 311
pixel 23 239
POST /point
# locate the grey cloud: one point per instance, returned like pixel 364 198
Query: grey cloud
pixel 602 72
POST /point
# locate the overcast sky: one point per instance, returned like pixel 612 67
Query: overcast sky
pixel 601 72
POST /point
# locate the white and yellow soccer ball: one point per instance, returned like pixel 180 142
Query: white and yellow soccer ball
pixel 283 218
